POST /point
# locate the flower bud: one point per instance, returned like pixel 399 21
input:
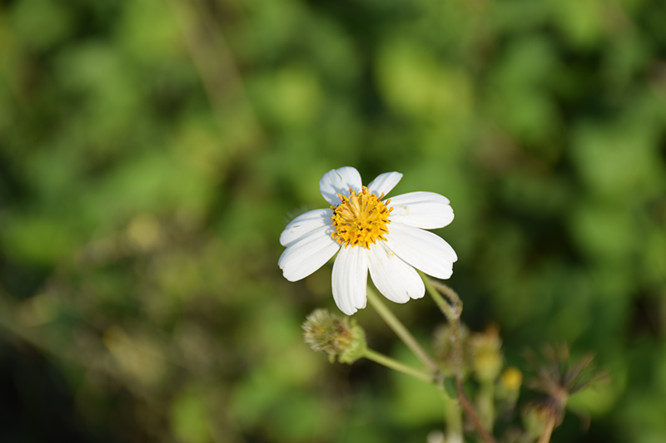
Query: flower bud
pixel 508 388
pixel 511 379
pixel 486 355
pixel 340 337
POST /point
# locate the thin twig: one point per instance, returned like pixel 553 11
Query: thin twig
pixel 471 413
pixel 548 430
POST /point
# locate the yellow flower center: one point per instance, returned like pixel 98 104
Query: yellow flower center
pixel 360 219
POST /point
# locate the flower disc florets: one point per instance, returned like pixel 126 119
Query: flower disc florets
pixel 360 219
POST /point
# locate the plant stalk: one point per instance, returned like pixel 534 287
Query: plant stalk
pixel 401 331
pixel 548 430
pixel 397 366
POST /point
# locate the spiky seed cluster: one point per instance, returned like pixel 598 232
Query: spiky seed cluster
pixel 360 219
pixel 337 336
pixel 558 378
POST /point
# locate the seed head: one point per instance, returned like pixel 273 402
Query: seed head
pixel 340 337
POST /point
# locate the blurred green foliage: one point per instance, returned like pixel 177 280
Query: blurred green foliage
pixel 151 152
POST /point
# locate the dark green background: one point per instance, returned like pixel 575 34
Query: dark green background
pixel 151 151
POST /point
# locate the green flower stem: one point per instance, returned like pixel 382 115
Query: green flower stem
pixel 485 404
pixel 397 366
pixel 452 418
pixel 452 309
pixel 401 331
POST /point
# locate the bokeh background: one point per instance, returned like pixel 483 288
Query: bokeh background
pixel 151 151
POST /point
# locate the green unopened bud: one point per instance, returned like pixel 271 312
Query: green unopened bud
pixel 486 355
pixel 509 384
pixel 511 379
pixel 508 388
pixel 340 337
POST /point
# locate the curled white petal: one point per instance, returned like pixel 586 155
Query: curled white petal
pixel 339 181
pixel 305 223
pixel 350 276
pixel 394 278
pixel 426 210
pixel 422 249
pixel 307 254
pixel 384 183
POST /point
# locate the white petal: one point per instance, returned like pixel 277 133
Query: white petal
pixel 350 276
pixel 383 184
pixel 307 254
pixel 305 223
pixel 394 278
pixel 338 181
pixel 425 210
pixel 422 249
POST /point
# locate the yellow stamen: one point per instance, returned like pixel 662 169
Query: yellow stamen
pixel 360 219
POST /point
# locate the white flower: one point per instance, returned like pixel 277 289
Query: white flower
pixel 386 237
